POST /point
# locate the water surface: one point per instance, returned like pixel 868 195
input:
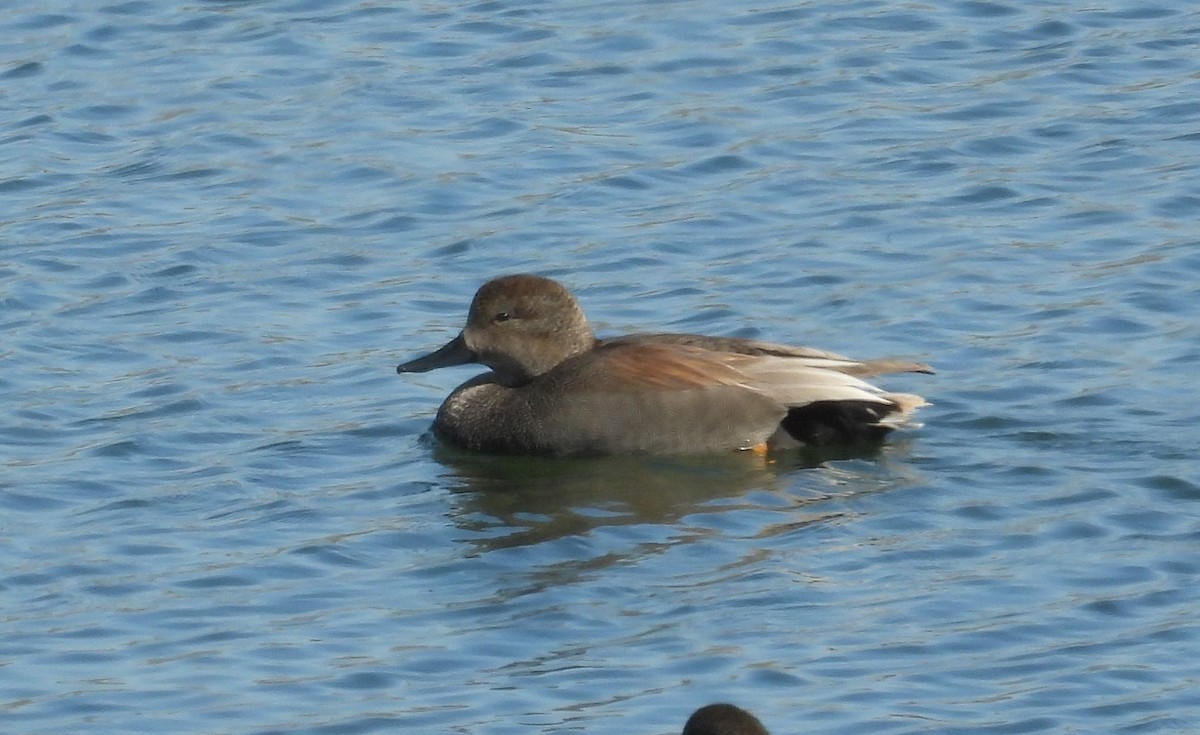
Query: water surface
pixel 223 224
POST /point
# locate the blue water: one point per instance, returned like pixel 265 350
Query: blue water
pixel 222 224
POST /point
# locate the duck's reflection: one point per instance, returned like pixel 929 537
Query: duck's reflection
pixel 517 501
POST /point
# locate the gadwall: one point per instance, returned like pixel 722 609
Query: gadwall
pixel 555 389
pixel 723 719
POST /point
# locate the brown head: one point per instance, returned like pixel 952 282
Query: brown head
pixel 520 326
pixel 723 719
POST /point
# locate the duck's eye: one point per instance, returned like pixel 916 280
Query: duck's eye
pixel 501 316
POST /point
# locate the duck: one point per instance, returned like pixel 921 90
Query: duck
pixel 723 719
pixel 554 388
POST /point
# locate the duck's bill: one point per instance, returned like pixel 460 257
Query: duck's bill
pixel 455 352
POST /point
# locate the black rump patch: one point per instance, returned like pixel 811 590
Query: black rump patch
pixel 826 423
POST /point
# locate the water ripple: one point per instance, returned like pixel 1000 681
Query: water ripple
pixel 225 223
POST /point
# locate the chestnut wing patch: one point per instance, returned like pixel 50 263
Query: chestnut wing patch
pixel 663 367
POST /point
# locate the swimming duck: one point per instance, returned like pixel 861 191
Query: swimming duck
pixel 723 719
pixel 555 389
